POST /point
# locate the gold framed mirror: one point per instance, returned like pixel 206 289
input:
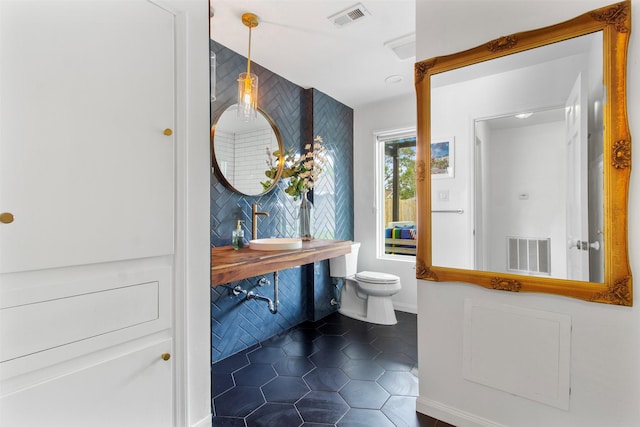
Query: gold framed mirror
pixel 536 210
pixel 244 152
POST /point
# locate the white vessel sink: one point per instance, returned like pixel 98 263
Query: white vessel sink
pixel 275 244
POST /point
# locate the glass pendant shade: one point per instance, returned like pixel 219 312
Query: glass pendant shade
pixel 248 82
pixel 247 96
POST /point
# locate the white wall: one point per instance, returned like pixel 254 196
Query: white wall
pixel 528 160
pixel 397 113
pixel 193 309
pixel 455 107
pixel 605 340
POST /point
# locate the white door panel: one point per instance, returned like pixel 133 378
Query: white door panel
pixel 84 165
pixel 131 390
pixel 577 182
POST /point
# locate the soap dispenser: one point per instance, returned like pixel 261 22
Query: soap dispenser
pixel 237 236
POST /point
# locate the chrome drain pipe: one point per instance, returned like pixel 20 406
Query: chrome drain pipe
pixel 336 290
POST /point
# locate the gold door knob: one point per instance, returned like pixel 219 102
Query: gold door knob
pixel 6 217
pixel 166 356
pixel 168 132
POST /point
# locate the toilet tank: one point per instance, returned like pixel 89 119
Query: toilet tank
pixel 345 265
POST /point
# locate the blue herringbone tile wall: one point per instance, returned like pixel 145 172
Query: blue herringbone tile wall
pixel 305 292
pixel 333 195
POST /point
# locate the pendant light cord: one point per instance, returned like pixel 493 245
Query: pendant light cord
pixel 249 55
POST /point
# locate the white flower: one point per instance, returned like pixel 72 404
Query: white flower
pixel 302 170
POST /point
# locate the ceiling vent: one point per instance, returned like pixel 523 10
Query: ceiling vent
pixel 404 47
pixel 349 15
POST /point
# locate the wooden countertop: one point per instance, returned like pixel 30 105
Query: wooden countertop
pixel 229 265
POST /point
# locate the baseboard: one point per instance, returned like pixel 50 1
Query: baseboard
pixel 452 415
pixel 407 308
pixel 205 422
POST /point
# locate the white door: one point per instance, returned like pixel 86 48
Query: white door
pixel 577 182
pixel 596 221
pixel 480 250
pixel 87 90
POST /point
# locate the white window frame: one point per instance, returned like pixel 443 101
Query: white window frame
pixel 379 139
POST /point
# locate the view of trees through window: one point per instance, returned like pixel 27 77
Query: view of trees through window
pixel 400 195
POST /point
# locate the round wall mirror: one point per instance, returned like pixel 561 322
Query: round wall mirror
pixel 247 155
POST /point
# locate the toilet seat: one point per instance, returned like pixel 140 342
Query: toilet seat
pixel 376 278
pixel 377 284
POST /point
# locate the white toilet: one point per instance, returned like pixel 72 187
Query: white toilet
pixel 366 295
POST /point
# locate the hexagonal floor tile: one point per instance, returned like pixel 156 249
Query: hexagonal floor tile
pixel 256 374
pixel 329 358
pixel 385 330
pixel 293 366
pixel 228 422
pixel 321 407
pixel 365 418
pixel 364 394
pixel 285 390
pixel 277 340
pixel 360 334
pixel 395 361
pixel 304 334
pixel 274 414
pixel 230 364
pixel 220 383
pixel 401 410
pixel 395 345
pixel 332 342
pixel 358 350
pixel 316 370
pixel 238 402
pixel 362 370
pixel 333 329
pixel 399 383
pixel 300 348
pixel 266 355
pixel 326 379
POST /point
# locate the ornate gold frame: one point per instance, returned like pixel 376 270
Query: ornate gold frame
pixel 615 22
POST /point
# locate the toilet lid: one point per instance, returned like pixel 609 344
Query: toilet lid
pixel 376 278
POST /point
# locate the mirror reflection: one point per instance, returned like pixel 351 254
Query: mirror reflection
pixel 532 185
pixel 243 151
pixel 523 161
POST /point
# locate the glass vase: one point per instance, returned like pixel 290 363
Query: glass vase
pixel 305 219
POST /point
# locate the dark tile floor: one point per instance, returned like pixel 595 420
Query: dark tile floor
pixel 333 372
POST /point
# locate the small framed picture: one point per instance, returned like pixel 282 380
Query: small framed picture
pixel 442 158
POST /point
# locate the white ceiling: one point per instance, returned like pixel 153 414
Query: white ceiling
pixel 295 40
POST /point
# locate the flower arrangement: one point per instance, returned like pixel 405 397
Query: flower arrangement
pixel 302 171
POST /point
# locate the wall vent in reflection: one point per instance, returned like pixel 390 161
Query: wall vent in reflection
pixel 529 255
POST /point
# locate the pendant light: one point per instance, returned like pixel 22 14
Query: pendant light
pixel 248 82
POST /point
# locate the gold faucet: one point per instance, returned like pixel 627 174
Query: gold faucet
pixel 254 220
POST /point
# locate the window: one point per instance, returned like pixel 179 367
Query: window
pixel 397 193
